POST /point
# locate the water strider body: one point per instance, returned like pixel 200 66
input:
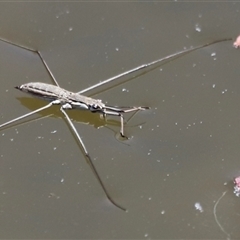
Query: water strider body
pixel 51 92
pixel 69 100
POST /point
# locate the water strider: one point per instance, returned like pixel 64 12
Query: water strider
pixel 71 100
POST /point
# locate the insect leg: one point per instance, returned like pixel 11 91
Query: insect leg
pixel 117 111
pixel 36 52
pixel 125 109
pixel 74 130
pixel 146 65
pixel 26 115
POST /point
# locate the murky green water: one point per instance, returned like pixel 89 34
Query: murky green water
pixel 183 153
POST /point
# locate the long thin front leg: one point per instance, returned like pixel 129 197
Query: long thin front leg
pixel 90 160
pixel 38 53
pixel 26 115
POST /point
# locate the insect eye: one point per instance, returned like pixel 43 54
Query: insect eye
pixel 95 106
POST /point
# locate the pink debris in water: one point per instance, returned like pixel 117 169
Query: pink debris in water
pixel 236 189
pixel 236 44
pixel 237 181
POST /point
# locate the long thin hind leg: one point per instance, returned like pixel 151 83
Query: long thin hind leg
pixel 74 130
pixel 38 53
pixel 26 115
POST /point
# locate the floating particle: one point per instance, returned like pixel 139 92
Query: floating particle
pixel 236 44
pixel 198 207
pixel 198 28
pixel 236 190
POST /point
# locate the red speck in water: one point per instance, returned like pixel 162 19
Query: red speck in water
pixel 236 44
